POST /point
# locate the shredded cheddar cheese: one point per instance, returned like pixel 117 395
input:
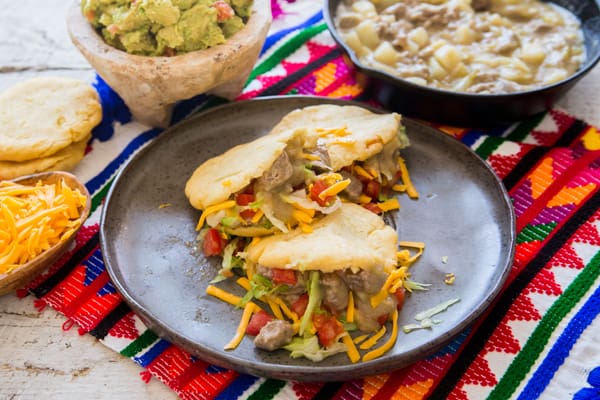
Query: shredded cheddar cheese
pixel 311 157
pixel 259 214
pixel 306 228
pixel 334 189
pixel 285 309
pixel 410 189
pixel 35 218
pixel 364 199
pixel 223 295
pixel 302 216
pixel 342 131
pixel 249 309
pixel 243 282
pixel 351 350
pixel 372 341
pixel 387 345
pixel 360 339
pixel 388 205
pixel 362 172
pixel 213 209
pixel 275 308
pixel 350 308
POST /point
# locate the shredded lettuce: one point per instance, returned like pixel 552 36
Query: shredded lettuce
pixel 309 348
pixel 412 285
pixel 314 300
pixel 266 199
pixel 261 286
pixel 436 310
pixel 299 197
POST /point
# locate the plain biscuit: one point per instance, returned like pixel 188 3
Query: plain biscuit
pixel 351 237
pixel 64 160
pixel 43 116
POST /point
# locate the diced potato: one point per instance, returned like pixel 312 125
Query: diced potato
pixel 385 53
pixel 464 35
pixel 515 75
pixel 352 40
pixel 366 8
pixel 555 75
pixel 464 83
pixel 367 33
pixel 412 47
pixel 416 80
pixel 419 36
pixel 448 57
pixel 436 70
pixel 532 54
pixel 459 71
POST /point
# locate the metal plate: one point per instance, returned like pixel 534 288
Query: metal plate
pixel 463 215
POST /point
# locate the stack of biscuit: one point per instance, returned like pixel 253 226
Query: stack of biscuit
pixel 45 125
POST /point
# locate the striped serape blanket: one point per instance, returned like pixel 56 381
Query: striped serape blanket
pixel 540 339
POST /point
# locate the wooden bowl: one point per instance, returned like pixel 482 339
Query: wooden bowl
pixel 150 86
pixel 23 274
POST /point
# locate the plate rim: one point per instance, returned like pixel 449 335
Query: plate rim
pixel 299 372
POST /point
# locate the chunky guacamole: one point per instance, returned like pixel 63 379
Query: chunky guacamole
pixel 166 27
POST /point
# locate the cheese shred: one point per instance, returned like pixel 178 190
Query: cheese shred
pixel 213 209
pixel 351 350
pixel 350 308
pixel 34 219
pixel 372 341
pixel 378 352
pixel 249 309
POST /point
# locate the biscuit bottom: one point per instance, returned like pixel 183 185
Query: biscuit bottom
pixel 64 160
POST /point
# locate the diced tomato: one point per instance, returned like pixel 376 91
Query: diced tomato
pixel 247 214
pixel 299 306
pixel 243 199
pixel 90 15
pixel 283 276
pixel 373 208
pixel 328 328
pixel 372 189
pixel 399 297
pixel 257 321
pixel 224 10
pixel 382 319
pixel 316 189
pixel 213 244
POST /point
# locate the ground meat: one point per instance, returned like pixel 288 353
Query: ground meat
pixel 363 281
pixel 427 15
pixel 481 5
pixel 323 164
pixel 280 171
pixel 274 334
pixel 335 292
pixel 498 86
pixel 354 189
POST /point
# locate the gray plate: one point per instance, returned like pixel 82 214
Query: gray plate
pixel 463 215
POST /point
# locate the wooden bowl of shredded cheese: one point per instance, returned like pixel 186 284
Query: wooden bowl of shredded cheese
pixel 40 215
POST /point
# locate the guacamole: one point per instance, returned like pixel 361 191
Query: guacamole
pixel 166 27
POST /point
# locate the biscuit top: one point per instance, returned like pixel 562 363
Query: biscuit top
pixel 42 116
pixel 350 237
pixel 350 133
pixel 218 178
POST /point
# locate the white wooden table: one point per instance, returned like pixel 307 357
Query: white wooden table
pixel 37 359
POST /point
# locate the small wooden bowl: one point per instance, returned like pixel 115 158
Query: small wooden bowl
pixel 25 273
